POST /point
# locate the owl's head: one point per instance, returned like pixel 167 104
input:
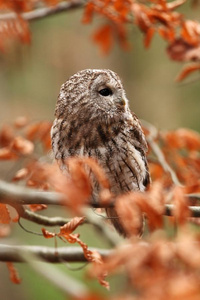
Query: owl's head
pixel 93 92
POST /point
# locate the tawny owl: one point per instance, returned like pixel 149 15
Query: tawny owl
pixel 93 119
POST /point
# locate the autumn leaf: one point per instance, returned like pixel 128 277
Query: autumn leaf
pixel 4 214
pixel 22 146
pixel 181 210
pixel 181 50
pixel 148 36
pixel 6 154
pixel 47 234
pixel 187 71
pixel 37 207
pixel 14 277
pixel 5 230
pixel 20 122
pixel 6 135
pixel 21 174
pixel 104 37
pixel 69 227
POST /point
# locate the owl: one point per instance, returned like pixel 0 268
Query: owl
pixel 93 119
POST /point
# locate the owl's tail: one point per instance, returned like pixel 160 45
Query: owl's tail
pixel 115 220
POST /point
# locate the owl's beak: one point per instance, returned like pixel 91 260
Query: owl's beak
pixel 121 101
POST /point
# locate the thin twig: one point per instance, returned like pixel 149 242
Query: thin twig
pixel 153 133
pixel 40 219
pixel 45 11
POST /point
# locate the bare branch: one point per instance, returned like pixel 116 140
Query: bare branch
pixel 40 219
pixel 17 196
pixel 45 11
pixel 14 194
pixel 48 254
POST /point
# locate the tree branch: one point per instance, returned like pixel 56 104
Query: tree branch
pixel 16 196
pixel 48 254
pixel 40 219
pixel 45 11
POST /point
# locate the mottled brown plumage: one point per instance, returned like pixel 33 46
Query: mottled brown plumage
pixel 93 119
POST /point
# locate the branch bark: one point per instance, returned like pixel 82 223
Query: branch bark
pixel 45 11
pixel 48 254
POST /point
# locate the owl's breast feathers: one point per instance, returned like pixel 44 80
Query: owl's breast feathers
pixel 119 146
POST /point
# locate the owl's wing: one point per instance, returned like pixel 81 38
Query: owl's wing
pixel 139 141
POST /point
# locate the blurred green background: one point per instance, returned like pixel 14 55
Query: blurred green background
pixel 30 79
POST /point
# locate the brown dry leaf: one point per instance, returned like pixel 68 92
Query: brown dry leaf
pixel 10 29
pixel 37 207
pixel 14 276
pixel 188 248
pixel 40 131
pixel 6 135
pixel 187 71
pixel 22 146
pixel 188 138
pixel 7 154
pixel 98 171
pixel 47 234
pixel 181 50
pixel 4 214
pixel 4 230
pixel 190 32
pixel 76 186
pixel 91 256
pixel 149 36
pixel 21 122
pixel 21 174
pixel 181 209
pixel 69 227
pixel 168 34
pixel 104 37
pixel 88 13
pixel 130 214
pixel 132 206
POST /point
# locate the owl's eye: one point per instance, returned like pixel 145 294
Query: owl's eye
pixel 106 92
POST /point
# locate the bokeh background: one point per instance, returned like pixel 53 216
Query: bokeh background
pixel 30 79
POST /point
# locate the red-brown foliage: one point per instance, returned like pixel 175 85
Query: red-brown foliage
pixel 151 17
pixel 152 265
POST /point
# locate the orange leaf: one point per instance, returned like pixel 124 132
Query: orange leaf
pixel 37 207
pixel 14 277
pixel 104 37
pixel 69 227
pixel 98 172
pixel 4 230
pixel 4 214
pixel 20 122
pixel 180 50
pixel 187 71
pixel 88 13
pixel 6 135
pixel 22 146
pixel 6 153
pixel 40 131
pixel 181 209
pixel 148 36
pixel 21 174
pixel 48 234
